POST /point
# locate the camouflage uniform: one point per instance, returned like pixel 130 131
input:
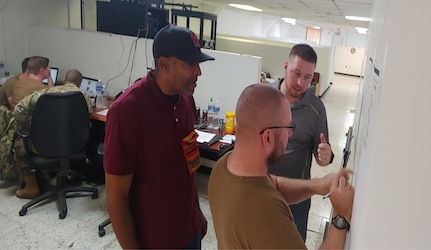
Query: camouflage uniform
pixel 7 132
pixel 23 113
pixel 5 115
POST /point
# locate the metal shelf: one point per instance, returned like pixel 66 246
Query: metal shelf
pixel 211 44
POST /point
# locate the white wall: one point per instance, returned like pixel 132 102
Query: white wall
pixel 104 56
pixel 274 54
pixel 392 171
pixel 347 62
pixel 15 16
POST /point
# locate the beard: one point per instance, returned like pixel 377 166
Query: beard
pixel 272 158
pixel 296 93
pixel 276 153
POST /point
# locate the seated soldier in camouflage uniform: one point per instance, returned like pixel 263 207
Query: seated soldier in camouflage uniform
pixel 8 125
pixel 7 132
pixel 23 114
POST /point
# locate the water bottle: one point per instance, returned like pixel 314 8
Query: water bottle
pixel 105 95
pixel 92 96
pixel 210 113
pixel 2 69
pixel 100 100
pixel 216 115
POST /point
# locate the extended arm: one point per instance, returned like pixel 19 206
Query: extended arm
pixel 117 203
pixel 9 99
pixel 51 83
pixel 342 201
pixel 297 190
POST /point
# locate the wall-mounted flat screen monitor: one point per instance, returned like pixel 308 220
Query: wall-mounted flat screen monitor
pixel 132 19
pixel 54 73
pixel 89 85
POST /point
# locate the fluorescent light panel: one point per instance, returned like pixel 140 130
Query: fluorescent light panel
pixel 316 27
pixel 245 7
pixel 361 30
pixel 289 20
pixel 358 18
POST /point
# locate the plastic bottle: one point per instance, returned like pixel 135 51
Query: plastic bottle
pixel 100 100
pixel 2 69
pixel 216 115
pixel 229 127
pixel 92 98
pixel 105 95
pixel 210 113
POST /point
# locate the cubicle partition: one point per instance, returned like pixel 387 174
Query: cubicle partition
pixel 109 57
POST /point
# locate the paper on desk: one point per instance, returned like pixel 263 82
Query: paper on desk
pixel 227 138
pixel 204 137
pixel 103 112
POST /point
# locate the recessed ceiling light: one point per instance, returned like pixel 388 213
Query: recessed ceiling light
pixel 289 20
pixel 245 7
pixel 361 30
pixel 358 18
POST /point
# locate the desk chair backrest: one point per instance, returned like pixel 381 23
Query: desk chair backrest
pixel 60 124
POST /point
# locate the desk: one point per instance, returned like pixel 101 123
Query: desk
pixel 209 154
pixel 98 117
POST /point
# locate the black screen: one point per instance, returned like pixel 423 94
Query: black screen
pixel 132 19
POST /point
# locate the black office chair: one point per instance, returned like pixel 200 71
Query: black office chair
pixel 59 131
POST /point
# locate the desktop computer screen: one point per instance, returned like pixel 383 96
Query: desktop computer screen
pixel 54 73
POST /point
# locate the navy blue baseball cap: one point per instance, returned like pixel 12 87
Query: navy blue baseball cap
pixel 178 42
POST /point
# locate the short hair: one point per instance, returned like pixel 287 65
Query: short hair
pixel 258 106
pixel 35 63
pixel 73 76
pixel 304 51
pixel 24 64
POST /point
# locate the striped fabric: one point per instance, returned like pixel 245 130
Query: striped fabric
pixel 191 151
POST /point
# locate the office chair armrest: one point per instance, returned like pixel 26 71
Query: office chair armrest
pixel 25 135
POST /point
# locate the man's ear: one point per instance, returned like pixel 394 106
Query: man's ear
pixel 285 65
pixel 266 136
pixel 164 63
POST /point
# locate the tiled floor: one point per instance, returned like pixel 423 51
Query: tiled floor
pixel 42 229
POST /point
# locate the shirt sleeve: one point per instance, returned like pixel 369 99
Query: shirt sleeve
pixel 120 142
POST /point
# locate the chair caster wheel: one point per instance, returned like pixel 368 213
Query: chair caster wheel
pixel 95 195
pixel 62 214
pixel 101 232
pixel 23 211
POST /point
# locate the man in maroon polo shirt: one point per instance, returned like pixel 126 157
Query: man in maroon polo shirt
pixel 151 153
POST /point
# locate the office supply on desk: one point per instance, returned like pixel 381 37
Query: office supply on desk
pixel 207 138
pixel 54 74
pixel 227 138
pixel 103 112
pixel 89 84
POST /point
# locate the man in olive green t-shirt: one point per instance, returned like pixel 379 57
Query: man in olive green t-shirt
pixel 7 88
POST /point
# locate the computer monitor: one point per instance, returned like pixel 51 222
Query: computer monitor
pixel 89 84
pixel 54 73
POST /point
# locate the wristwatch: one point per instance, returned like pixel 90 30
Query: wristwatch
pixel 340 222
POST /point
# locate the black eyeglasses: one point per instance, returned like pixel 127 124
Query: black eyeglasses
pixel 290 128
